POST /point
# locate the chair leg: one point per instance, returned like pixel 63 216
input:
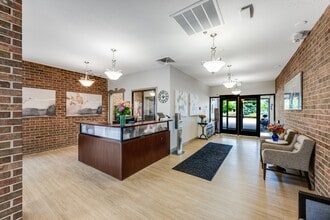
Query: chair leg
pixel 308 180
pixel 264 166
pixel 300 173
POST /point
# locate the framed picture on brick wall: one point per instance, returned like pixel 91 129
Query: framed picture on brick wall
pixel 38 102
pixel 293 93
pixel 83 104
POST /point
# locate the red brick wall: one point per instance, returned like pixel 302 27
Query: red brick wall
pixel 10 109
pixel 312 58
pixel 46 133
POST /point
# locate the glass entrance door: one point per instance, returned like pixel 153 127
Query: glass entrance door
pixel 228 116
pixel 249 117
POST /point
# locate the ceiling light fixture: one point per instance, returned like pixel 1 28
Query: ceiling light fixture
pixel 113 74
pixel 229 83
pixel 236 90
pixel 86 81
pixel 214 65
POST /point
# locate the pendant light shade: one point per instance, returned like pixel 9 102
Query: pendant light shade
pixel 86 81
pixel 214 65
pixel 237 90
pixel 229 83
pixel 112 73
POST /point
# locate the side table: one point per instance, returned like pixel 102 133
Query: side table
pixel 276 142
pixel 203 125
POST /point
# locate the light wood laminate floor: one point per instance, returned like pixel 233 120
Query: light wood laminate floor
pixel 57 186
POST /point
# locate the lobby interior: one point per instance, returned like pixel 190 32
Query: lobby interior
pixel 44 45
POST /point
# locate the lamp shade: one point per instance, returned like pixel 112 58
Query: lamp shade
pixel 86 82
pixel 213 66
pixel 229 84
pixel 236 91
pixel 113 75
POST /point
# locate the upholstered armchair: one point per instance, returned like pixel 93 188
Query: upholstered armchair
pixel 298 158
pixel 288 136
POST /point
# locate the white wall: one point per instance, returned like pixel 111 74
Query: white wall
pixel 156 78
pixel 250 88
pixel 183 82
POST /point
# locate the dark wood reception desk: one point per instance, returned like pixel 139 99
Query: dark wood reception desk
pixel 122 151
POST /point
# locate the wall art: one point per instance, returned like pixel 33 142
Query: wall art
pixel 82 104
pixel 38 102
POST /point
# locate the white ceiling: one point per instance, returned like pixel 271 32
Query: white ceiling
pixel 65 33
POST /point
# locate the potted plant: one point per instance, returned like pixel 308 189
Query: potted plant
pixel 122 109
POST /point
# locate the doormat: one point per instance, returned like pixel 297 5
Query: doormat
pixel 206 161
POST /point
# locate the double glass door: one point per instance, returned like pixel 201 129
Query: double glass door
pixel 240 115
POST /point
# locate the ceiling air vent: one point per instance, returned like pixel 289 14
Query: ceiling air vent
pixel 200 16
pixel 165 60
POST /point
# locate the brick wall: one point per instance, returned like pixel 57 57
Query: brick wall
pixel 10 109
pixel 312 58
pixel 46 133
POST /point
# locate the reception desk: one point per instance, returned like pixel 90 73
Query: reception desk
pixel 122 151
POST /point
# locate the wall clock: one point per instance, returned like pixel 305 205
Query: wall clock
pixel 163 96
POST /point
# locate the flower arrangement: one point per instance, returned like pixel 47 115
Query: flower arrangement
pixel 276 128
pixel 123 108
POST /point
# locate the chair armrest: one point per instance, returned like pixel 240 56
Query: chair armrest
pixel 284 147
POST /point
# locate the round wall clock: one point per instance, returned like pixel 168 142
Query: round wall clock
pixel 163 96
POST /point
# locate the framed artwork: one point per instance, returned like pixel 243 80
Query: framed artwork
pixel 38 102
pixel 193 104
pixel 181 102
pixel 293 93
pixel 82 104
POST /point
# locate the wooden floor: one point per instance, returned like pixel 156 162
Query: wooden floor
pixel 57 186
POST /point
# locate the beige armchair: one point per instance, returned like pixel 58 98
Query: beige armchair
pixel 289 136
pixel 298 158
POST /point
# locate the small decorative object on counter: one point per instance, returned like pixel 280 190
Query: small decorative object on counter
pixel 277 129
pixel 122 109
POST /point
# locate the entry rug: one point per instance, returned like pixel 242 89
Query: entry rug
pixel 206 161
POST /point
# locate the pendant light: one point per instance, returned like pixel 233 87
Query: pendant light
pixel 113 74
pixel 86 81
pixel 229 83
pixel 214 65
pixel 236 90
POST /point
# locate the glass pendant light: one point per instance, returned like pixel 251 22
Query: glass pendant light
pixel 112 73
pixel 86 81
pixel 214 65
pixel 236 90
pixel 229 83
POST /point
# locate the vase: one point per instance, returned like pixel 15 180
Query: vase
pixel 275 137
pixel 122 120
